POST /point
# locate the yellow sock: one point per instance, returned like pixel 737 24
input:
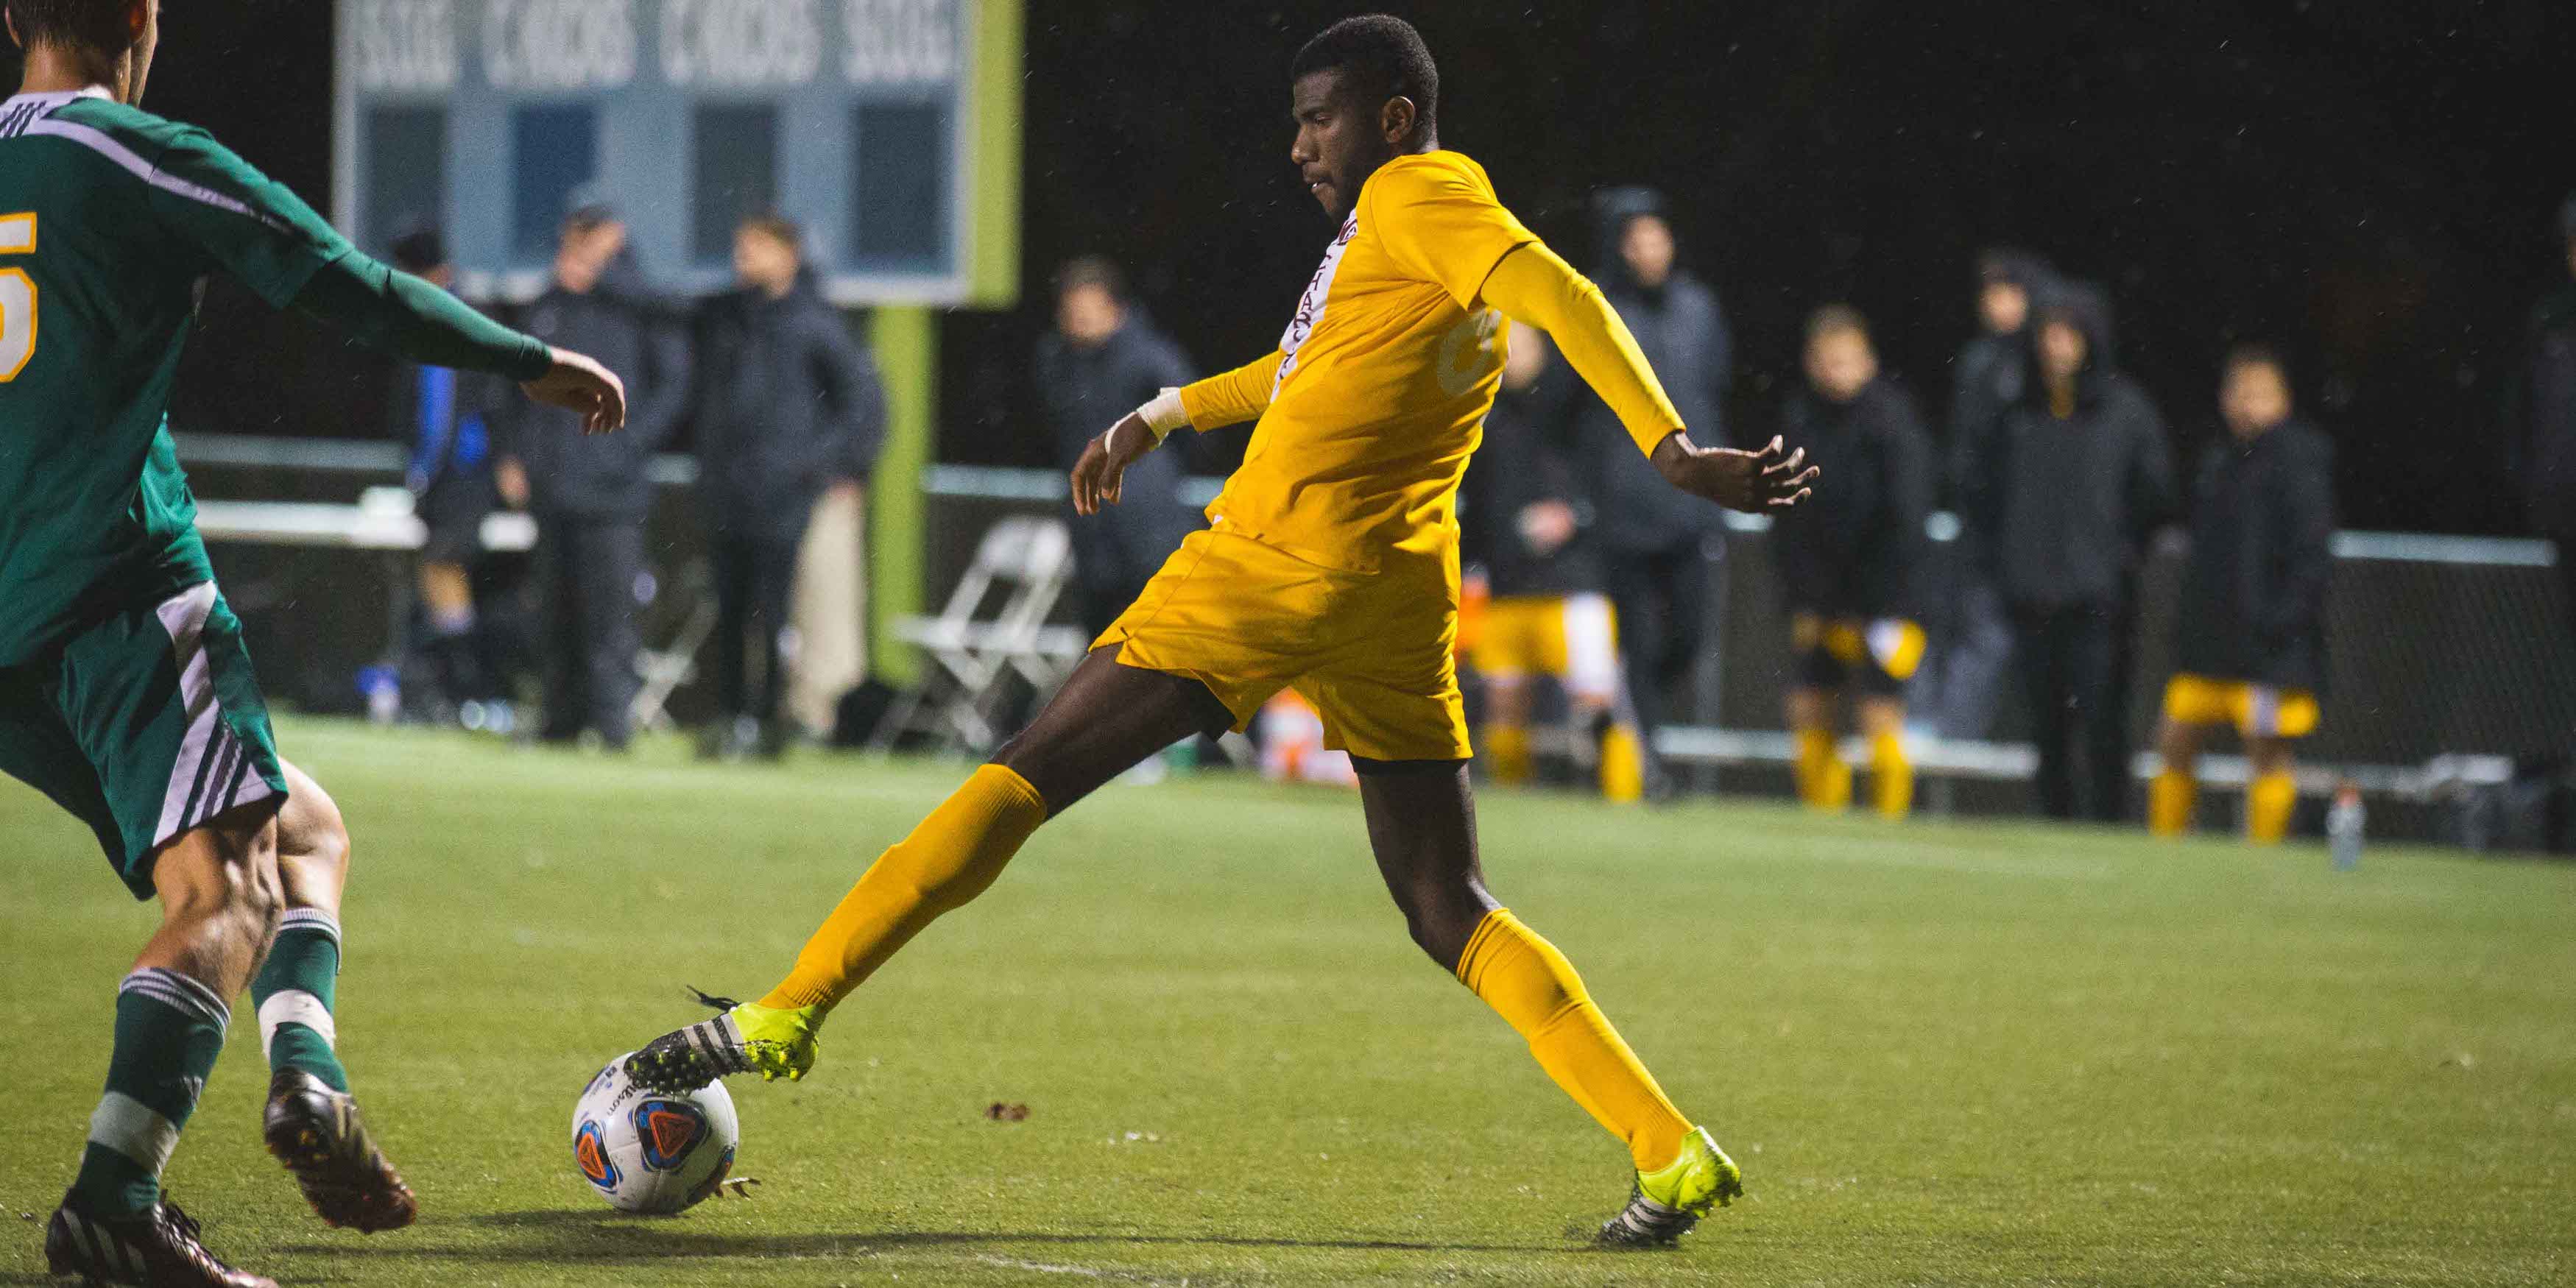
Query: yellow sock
pixel 1507 753
pixel 2169 803
pixel 1824 781
pixel 1623 765
pixel 949 859
pixel 1532 985
pixel 2269 799
pixel 1891 775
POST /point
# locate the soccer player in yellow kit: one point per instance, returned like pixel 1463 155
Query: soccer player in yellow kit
pixel 1331 566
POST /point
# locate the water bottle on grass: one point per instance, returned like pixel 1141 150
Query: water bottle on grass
pixel 2344 827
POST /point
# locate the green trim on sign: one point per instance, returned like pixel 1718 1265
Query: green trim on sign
pixel 906 339
pixel 994 277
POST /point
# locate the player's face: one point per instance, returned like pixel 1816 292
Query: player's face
pixel 2003 306
pixel 1840 364
pixel 1340 141
pixel 2061 348
pixel 1088 315
pixel 1647 245
pixel 2254 398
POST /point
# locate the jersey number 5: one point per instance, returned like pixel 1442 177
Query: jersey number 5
pixel 17 297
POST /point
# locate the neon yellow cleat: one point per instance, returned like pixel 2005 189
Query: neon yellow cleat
pixel 1664 1205
pixel 746 1038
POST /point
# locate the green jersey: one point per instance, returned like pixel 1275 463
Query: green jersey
pixel 109 219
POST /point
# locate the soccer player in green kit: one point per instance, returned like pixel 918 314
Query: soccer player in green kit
pixel 125 692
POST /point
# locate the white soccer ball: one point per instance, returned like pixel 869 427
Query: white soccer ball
pixel 652 1152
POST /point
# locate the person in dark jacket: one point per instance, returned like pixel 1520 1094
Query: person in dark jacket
pixel 788 405
pixel 443 420
pixel 1656 542
pixel 2250 647
pixel 2541 419
pixel 591 495
pixel 1849 559
pixel 1966 677
pixel 2078 476
pixel 1101 362
pixel 1535 576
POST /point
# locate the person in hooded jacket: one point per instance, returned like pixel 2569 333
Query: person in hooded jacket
pixel 1966 677
pixel 1100 362
pixel 2249 638
pixel 590 495
pixel 2078 475
pixel 1849 560
pixel 788 405
pixel 1655 543
pixel 2541 414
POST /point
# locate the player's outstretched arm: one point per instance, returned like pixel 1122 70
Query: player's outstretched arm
pixel 1220 400
pixel 1532 285
pixel 383 308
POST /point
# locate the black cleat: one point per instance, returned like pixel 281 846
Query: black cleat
pixel 1644 1223
pixel 155 1249
pixel 318 1134
pixel 742 1039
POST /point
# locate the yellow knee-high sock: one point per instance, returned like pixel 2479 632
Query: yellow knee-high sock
pixel 2269 800
pixel 949 859
pixel 1507 753
pixel 1623 765
pixel 1891 775
pixel 1535 988
pixel 2169 802
pixel 1824 781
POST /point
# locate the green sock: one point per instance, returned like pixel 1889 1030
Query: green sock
pixel 294 994
pixel 169 1029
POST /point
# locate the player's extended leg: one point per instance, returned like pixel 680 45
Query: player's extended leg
pixel 1422 826
pixel 218 888
pixel 1891 773
pixel 2176 787
pixel 2271 790
pixel 1107 717
pixel 312 1124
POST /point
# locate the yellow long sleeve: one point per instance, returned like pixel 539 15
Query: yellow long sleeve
pixel 1232 397
pixel 1532 285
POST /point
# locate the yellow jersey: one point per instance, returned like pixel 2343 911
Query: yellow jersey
pixel 1378 392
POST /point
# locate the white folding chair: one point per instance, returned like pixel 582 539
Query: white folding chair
pixel 975 653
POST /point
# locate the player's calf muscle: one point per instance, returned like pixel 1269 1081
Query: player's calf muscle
pixel 220 900
pixel 312 844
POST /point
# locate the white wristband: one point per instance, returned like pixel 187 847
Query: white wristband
pixel 1164 414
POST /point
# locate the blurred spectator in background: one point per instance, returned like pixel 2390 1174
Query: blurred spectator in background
pixel 1848 562
pixel 1656 541
pixel 2542 419
pixel 443 419
pixel 1100 363
pixel 2249 638
pixel 1965 682
pixel 1527 531
pixel 2078 476
pixel 789 407
pixel 590 493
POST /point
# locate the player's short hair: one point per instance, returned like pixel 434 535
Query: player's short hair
pixel 2258 355
pixel 1836 319
pixel 85 24
pixel 778 228
pixel 1091 270
pixel 1381 56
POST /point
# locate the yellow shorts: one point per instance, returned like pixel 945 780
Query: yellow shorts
pixel 2257 710
pixel 1372 652
pixel 1574 638
pixel 1877 657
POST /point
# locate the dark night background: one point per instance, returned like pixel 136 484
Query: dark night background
pixel 2370 186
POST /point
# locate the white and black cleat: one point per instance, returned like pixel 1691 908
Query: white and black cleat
pixel 690 1058
pixel 1644 1223
pixel 155 1249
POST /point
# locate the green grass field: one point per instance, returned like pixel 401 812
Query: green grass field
pixel 1944 1054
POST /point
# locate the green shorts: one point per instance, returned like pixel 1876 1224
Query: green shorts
pixel 144 726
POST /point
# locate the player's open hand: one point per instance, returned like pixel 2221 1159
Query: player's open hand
pixel 1103 467
pixel 579 384
pixel 1763 482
